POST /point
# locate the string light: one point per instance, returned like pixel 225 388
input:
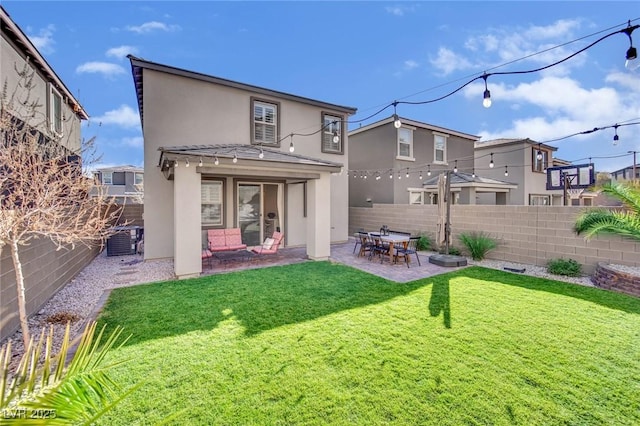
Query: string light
pixel 399 176
pixel 407 176
pixel 291 147
pixel 590 164
pixel 420 177
pixel 506 171
pixel 429 170
pixel 187 163
pixel 175 164
pixel 486 102
pixel 200 162
pixel 455 167
pixel 261 155
pixel 631 62
pixel 491 162
pixel 473 173
pixel 336 138
pixel 235 157
pixel 390 174
pixel 539 154
pixel 216 161
pixel 615 136
pixel 396 120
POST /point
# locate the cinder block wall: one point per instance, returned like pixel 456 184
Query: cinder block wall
pixel 46 271
pixel 525 234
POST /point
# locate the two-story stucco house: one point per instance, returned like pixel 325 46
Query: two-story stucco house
pixel 391 164
pixel 125 183
pixel 224 154
pixel 526 162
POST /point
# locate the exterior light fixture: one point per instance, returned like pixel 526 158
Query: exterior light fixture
pixel 396 120
pixel 200 163
pixel 429 170
pixel 491 162
pixel 336 137
pixel 632 61
pixel 455 167
pixel 616 138
pixel 486 102
pixel 216 161
pixel 506 171
pixel 407 175
pixel 187 163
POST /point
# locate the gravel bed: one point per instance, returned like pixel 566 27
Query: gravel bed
pixel 533 270
pixel 80 297
pixel 632 270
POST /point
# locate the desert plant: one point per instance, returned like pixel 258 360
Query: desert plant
pixel 567 267
pixel 452 250
pixel 601 221
pixel 478 244
pixel 57 391
pixel 424 243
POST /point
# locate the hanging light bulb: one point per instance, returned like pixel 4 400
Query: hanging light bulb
pixel 539 154
pixel 407 175
pixel 261 155
pixel 399 176
pixel 216 161
pixel 175 164
pixel 491 162
pixel 365 175
pixel 390 174
pixel 486 102
pixel 455 167
pixel 396 120
pixel 429 170
pixel 590 164
pixel 235 157
pixel 187 163
pixel 291 148
pixel 377 176
pixel 506 171
pixel 200 163
pixel 420 177
pixel 632 61
pixel 473 173
pixel 336 137
pixel 616 138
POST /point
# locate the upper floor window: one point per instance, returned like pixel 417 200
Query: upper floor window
pixel 539 159
pixel 405 143
pixel 55 110
pixel 439 148
pixel 107 178
pixel 138 178
pixel 332 134
pixel 264 122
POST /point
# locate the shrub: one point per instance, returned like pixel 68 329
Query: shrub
pixel 568 267
pixel 424 243
pixel 478 244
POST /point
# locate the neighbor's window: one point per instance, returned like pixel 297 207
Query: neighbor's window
pixel 405 143
pixel 211 202
pixel 332 126
pixel 416 197
pixel 539 200
pixel 439 148
pixel 539 165
pixel 107 178
pixel 264 122
pixel 138 178
pixel 55 110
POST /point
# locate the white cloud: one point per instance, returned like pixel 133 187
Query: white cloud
pixel 410 64
pixel 125 116
pixel 447 61
pixel 121 52
pixel 134 142
pixel 43 41
pixel 149 27
pixel 559 29
pixel 399 10
pixel 106 68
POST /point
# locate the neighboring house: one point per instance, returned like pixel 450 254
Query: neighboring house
pixel 381 156
pixel 60 114
pixel 465 188
pixel 57 120
pixel 217 154
pixel 626 174
pixel 526 163
pixel 125 183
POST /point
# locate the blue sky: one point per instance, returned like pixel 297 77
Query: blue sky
pixel 360 54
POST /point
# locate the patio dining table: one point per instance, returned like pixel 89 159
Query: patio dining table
pixel 392 239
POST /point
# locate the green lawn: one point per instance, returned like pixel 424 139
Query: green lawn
pixel 321 343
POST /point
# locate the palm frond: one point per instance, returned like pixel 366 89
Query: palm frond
pixel 628 193
pixel 596 222
pixel 78 390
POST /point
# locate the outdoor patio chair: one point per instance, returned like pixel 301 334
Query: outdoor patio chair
pixel 412 248
pixel 365 243
pixel 358 240
pixel 378 248
pixel 270 245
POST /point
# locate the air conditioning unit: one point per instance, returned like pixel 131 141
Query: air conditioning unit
pixel 124 241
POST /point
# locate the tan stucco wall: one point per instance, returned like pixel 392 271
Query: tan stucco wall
pixel 183 111
pixel 525 234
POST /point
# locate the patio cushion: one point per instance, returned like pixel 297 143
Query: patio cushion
pixel 268 243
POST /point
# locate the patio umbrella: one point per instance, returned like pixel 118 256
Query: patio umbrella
pixel 442 211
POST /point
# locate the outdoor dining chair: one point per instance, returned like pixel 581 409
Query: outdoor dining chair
pixel 412 248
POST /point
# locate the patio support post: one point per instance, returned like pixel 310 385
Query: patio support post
pixel 187 223
pixel 319 217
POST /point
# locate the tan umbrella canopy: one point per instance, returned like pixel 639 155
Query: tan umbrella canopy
pixel 442 210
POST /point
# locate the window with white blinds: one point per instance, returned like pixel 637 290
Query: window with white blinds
pixel 265 123
pixel 439 148
pixel 332 134
pixel 211 202
pixel 405 143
